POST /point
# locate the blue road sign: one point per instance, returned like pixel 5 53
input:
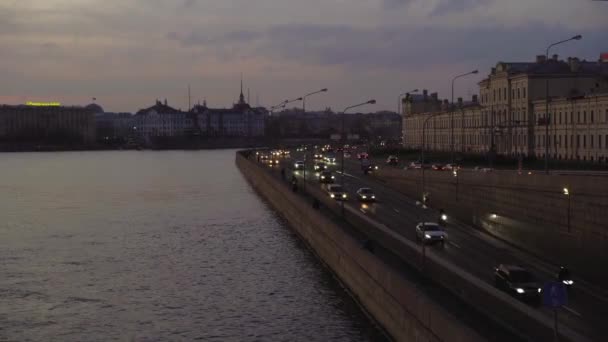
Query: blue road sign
pixel 555 295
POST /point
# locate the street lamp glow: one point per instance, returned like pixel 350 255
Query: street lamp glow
pixel 444 217
pixel 494 216
pixel 566 192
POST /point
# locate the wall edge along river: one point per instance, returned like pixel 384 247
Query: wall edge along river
pixel 396 304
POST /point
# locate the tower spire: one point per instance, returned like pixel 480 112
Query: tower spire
pixel 242 97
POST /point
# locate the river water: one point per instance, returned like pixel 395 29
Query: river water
pixel 156 246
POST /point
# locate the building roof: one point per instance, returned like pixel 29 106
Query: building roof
pixel 159 108
pixel 95 108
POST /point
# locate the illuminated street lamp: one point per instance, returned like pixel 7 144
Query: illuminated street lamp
pixel 567 193
pixel 344 141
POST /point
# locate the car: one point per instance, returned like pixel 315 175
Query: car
pixel 320 166
pixel 347 155
pixel 273 161
pixel 336 192
pixel 330 158
pixel 438 167
pixel 299 165
pixel 483 169
pixel 318 156
pixel 430 232
pixel 415 165
pixel 392 160
pixel 518 282
pixel 362 155
pixel 366 195
pixel 326 177
pixel 452 167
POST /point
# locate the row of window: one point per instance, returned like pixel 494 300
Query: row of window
pixel 574 141
pixel 565 116
pixel 501 94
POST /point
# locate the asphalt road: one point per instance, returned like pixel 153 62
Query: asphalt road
pixel 468 247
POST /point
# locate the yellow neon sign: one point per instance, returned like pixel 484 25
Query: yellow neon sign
pixel 43 104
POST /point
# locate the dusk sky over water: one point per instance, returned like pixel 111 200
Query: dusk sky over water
pixel 128 53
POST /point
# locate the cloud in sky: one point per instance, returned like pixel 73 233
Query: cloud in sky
pixel 127 53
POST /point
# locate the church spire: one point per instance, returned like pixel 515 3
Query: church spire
pixel 242 96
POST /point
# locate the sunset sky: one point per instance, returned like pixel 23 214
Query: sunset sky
pixel 127 53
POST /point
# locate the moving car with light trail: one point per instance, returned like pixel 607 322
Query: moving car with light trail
pixel 336 192
pixel 430 232
pixel 366 195
pixel 518 282
pixel 326 177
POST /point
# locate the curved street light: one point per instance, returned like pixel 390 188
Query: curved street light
pixel 343 141
pixel 546 122
pixel 452 111
pixel 309 94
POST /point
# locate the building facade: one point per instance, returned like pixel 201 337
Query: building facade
pixel 162 120
pixel 509 117
pixel 239 121
pixel 47 124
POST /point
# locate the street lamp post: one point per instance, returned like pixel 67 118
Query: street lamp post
pixel 452 112
pixel 304 110
pixel 492 140
pixel 309 94
pixel 577 37
pixel 342 138
pixel 567 193
pixel 424 196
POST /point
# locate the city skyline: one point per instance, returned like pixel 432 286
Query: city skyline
pixel 129 54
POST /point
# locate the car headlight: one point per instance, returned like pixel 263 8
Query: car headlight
pixel 373 197
pixel 332 195
pixel 427 236
pixel 540 290
pixel 332 177
pixel 376 168
pixel 364 197
pixel 520 290
pixel 343 195
pixel 322 177
pixel 568 282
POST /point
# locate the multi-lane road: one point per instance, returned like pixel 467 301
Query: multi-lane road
pixel 471 249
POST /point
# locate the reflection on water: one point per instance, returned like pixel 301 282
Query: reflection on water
pixel 155 246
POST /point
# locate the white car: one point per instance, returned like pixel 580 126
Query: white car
pixel 298 165
pixel 415 165
pixel 336 192
pixel 430 232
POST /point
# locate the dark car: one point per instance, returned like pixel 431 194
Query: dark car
pixel 320 166
pixel 438 167
pixel 366 195
pixel 518 282
pixel 326 177
pixel 392 160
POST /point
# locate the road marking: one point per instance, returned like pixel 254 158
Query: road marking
pixel 363 211
pixel 396 210
pixel 572 311
pixel 454 244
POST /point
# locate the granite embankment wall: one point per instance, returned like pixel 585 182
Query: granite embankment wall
pixel 404 312
pixel 530 211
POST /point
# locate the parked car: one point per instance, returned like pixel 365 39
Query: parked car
pixel 366 195
pixel 430 232
pixel 347 155
pixel 518 282
pixel 326 177
pixel 438 167
pixel 392 160
pixel 336 192
pixel 362 155
pixel 452 167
